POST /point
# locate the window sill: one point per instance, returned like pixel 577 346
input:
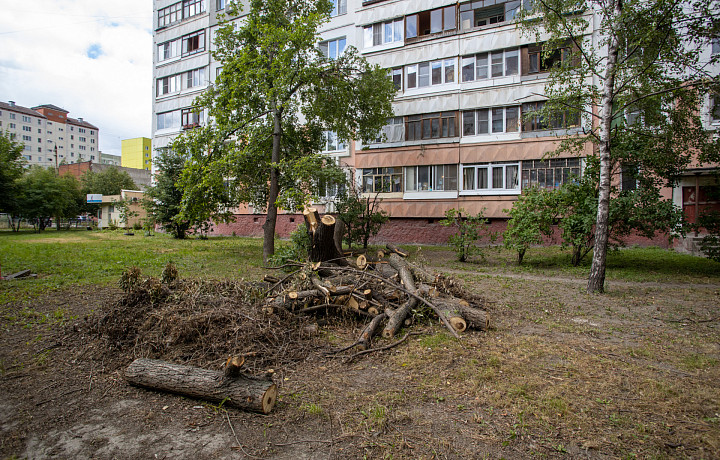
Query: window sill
pixel 491 192
pixel 430 195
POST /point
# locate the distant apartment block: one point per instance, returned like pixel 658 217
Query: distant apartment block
pixel 137 153
pixel 110 159
pixel 49 135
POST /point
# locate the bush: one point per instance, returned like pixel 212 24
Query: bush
pixel 471 229
pixel 297 249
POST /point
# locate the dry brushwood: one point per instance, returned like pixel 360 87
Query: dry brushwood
pixel 274 323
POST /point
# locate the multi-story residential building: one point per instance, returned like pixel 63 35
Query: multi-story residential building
pixel 110 159
pixel 49 135
pixel 136 153
pixel 466 77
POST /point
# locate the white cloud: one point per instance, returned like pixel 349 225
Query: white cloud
pixel 48 58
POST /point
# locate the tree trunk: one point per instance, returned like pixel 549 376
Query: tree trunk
pixel 274 189
pixel 323 246
pixel 596 280
pixel 241 391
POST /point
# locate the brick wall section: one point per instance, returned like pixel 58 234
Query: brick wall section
pixel 400 230
pixel 251 225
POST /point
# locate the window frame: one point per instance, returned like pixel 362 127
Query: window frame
pixel 435 178
pixel 379 178
pixel 569 168
pixel 326 47
pixel 487 172
pixel 429 18
pixel 196 38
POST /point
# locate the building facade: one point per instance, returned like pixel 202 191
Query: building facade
pixel 136 153
pixel 467 79
pixel 49 135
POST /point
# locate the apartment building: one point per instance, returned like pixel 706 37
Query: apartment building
pixel 49 135
pixel 466 79
pixel 135 153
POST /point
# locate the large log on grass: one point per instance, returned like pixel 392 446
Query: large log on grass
pixel 230 387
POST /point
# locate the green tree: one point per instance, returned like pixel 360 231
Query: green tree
pixel 574 206
pixel 109 181
pixel 163 200
pixel 470 230
pixel 531 219
pixel 270 105
pixel 11 168
pixel 644 64
pixel 44 195
pixel 360 214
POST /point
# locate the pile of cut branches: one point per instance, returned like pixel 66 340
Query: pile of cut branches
pixel 383 288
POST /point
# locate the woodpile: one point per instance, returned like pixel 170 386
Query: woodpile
pixel 384 288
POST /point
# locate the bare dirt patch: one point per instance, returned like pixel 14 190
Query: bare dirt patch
pixel 632 373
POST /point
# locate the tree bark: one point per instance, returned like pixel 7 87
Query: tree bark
pixel 397 318
pixel 596 280
pixel 273 190
pixel 322 234
pixel 241 391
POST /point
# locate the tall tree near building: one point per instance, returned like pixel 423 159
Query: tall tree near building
pixel 639 84
pixel 163 200
pixel 11 168
pixel 277 93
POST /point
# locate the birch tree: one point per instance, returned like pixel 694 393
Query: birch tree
pixel 640 82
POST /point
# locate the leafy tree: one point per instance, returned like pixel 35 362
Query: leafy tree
pixel 163 200
pixel 272 101
pixel 45 195
pixel 644 64
pixel 11 168
pixel 471 229
pixel 710 244
pixel 574 206
pixel 110 181
pixel 360 214
pixel 531 218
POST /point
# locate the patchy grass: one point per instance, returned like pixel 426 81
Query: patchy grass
pixel 67 258
pixel 634 264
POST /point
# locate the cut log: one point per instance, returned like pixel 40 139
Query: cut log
pixel 451 312
pixel 396 250
pixel 369 331
pixel 361 262
pixel 20 274
pixel 321 232
pixel 244 392
pixel 397 319
pixel 475 318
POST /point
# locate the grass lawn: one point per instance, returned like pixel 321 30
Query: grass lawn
pixel 66 258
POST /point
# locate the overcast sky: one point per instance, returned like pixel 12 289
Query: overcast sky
pixel 93 58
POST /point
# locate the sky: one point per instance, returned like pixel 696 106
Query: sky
pixel 93 58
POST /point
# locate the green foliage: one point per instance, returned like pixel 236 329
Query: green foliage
pixel 470 230
pixel 296 251
pixel 43 195
pixel 109 181
pixel 360 214
pixel 710 243
pixel 11 168
pixel 163 200
pixel 531 219
pixel 574 206
pixel 273 77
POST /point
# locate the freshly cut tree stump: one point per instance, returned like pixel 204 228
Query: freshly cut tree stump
pixel 239 390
